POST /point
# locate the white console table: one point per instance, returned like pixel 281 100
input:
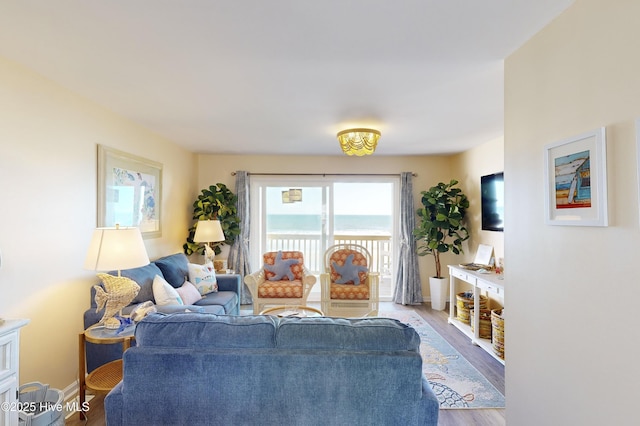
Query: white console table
pixel 487 282
pixel 9 369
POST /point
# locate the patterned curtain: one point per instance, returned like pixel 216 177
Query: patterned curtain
pixel 239 253
pixel 408 289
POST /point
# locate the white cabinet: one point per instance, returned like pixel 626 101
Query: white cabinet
pixel 491 283
pixel 9 369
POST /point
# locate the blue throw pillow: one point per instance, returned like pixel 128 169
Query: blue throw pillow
pixel 281 268
pixel 349 271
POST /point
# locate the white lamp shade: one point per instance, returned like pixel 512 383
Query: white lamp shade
pixel 115 249
pixel 208 231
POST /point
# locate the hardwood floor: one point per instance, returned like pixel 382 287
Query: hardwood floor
pixel 482 361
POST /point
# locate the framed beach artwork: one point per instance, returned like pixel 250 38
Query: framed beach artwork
pixel 129 191
pixel 576 180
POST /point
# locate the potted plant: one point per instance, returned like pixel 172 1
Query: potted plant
pixel 214 203
pixel 441 230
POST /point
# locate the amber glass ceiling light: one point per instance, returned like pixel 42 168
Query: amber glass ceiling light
pixel 358 141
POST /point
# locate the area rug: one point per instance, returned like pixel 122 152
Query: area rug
pixel 456 383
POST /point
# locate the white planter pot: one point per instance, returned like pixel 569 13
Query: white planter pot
pixel 439 288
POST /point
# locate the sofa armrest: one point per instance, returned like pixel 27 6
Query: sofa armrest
pixel 429 406
pixel 253 281
pixel 308 280
pixel 229 282
pixel 114 406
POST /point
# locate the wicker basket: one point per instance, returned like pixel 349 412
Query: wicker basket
pixel 484 331
pixel 40 406
pixel 465 303
pixel 497 325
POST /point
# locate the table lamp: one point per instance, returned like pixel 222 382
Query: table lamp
pixel 209 231
pixel 115 249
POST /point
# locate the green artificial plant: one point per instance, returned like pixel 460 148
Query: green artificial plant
pixel 441 226
pixel 215 202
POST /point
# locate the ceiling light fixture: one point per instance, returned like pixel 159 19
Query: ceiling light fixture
pixel 358 141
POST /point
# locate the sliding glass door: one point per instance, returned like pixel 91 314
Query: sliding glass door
pixel 311 213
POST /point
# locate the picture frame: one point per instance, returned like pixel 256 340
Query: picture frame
pixel 575 176
pixel 129 191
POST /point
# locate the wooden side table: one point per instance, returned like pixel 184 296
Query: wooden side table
pixel 107 376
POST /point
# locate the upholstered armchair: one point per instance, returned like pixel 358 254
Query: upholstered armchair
pixel 282 280
pixel 349 288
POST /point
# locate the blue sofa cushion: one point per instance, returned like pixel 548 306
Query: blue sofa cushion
pixel 144 277
pixel 203 331
pixel 227 299
pixel 176 309
pixel 368 334
pixel 174 268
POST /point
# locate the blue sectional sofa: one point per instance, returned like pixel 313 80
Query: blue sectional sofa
pixel 174 269
pixel 201 369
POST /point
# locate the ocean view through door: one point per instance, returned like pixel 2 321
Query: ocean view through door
pixel 310 214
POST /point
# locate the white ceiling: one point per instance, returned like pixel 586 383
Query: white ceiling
pixel 284 76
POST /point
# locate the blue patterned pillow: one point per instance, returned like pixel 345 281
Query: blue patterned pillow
pixel 349 272
pixel 203 277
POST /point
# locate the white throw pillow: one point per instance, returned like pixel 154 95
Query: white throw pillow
pixel 203 277
pixel 164 293
pixel 189 293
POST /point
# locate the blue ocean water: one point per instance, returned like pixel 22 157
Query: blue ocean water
pixel 307 223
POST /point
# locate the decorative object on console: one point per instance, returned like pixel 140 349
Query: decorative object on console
pixel 441 230
pixel 132 186
pixel 358 142
pixel 115 249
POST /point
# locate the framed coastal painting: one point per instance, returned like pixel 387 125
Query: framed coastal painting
pixel 576 180
pixel 129 191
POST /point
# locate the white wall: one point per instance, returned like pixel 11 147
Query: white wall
pixel 571 316
pixel 48 157
pixel 468 167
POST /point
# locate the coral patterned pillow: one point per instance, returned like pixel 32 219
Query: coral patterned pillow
pixel 270 262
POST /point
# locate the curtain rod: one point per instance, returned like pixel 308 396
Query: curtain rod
pixel 325 174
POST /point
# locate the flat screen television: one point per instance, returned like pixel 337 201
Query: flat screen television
pixel 492 193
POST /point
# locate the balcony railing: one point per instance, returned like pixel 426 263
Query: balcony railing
pixel 380 247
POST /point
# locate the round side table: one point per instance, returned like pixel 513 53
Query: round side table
pixel 296 311
pixel 107 376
